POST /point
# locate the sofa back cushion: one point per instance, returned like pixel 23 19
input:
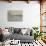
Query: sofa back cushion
pixel 11 30
pixel 17 30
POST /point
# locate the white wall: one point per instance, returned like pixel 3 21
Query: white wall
pixel 31 14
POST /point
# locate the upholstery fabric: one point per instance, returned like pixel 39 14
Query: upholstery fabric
pixel 17 35
pixel 23 31
pixel 11 30
pixel 17 30
pixel 22 38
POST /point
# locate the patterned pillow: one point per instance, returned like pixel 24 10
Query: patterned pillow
pixel 11 29
pixel 17 30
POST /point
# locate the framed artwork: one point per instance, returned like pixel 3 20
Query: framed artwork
pixel 15 15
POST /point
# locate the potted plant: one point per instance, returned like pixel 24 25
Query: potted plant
pixel 37 33
pixel 35 30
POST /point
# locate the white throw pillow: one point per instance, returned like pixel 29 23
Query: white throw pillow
pixel 23 31
pixel 5 32
pixel 28 31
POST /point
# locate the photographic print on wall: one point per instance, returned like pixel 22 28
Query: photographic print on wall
pixel 15 15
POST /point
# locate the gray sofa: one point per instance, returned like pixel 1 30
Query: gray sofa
pixel 15 33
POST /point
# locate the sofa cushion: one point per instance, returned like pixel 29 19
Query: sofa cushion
pixel 28 31
pixel 17 30
pixel 11 30
pixel 20 37
pixel 23 31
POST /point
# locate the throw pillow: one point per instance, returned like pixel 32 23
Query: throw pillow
pixel 17 30
pixel 23 31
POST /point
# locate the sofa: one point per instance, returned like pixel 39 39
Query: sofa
pixel 15 33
